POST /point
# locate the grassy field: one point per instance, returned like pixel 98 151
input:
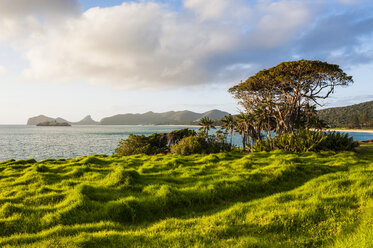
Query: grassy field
pixel 274 199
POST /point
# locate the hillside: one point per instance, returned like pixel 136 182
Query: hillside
pixel 86 121
pixel 149 118
pixel 39 119
pixel 354 116
pixel 274 199
pixel 166 118
pixel 42 118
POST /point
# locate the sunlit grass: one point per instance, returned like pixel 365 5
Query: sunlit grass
pixel 274 199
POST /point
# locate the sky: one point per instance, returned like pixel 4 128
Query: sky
pixel 71 58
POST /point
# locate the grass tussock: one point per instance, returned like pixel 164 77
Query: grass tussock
pixel 264 199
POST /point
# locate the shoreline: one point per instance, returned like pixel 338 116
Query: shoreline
pixel 351 130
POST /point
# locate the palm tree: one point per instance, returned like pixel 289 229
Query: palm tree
pixel 245 127
pixel 206 123
pixel 242 127
pixel 229 123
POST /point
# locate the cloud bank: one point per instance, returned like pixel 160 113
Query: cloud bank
pixel 148 45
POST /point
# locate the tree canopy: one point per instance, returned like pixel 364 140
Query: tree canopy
pixel 287 91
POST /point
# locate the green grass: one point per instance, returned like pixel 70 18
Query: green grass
pixel 274 199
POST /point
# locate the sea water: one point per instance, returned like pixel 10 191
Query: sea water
pixel 22 142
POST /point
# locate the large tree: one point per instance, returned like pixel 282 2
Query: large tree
pixel 286 89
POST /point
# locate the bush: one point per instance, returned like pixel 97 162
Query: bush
pixel 135 144
pixel 305 140
pixel 190 145
pixel 302 140
pixel 153 144
pixel 175 136
pixel 182 141
pixel 336 141
pixel 200 144
pixel 140 144
pixel 217 144
pixel 265 145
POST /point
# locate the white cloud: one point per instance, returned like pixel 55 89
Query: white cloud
pixel 216 9
pixel 279 22
pixel 47 8
pixel 223 10
pixel 3 71
pixel 25 17
pixel 132 45
pixel 207 8
pixel 143 45
pixel 146 45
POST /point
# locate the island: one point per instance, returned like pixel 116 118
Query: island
pixel 53 124
pixel 185 117
pixel 42 118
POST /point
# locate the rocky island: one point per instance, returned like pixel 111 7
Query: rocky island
pixel 42 118
pixel 53 124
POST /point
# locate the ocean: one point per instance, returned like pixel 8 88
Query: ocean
pixel 23 142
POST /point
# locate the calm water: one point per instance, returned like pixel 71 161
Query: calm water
pixel 21 141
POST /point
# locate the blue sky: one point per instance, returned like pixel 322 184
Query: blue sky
pixel 87 4
pixel 70 59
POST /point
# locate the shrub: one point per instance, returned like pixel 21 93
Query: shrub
pixel 336 141
pixel 163 143
pixel 265 145
pixel 134 144
pixel 304 140
pixel 217 143
pixel 200 144
pixel 175 136
pixel 138 144
pixel 190 145
pixel 153 144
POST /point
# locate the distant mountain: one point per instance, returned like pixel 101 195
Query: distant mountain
pixel 86 121
pixel 149 118
pixel 215 114
pixel 39 119
pixel 44 119
pixel 353 116
pixel 166 118
pixel 61 120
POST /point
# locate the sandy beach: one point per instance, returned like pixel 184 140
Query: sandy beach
pixel 352 130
